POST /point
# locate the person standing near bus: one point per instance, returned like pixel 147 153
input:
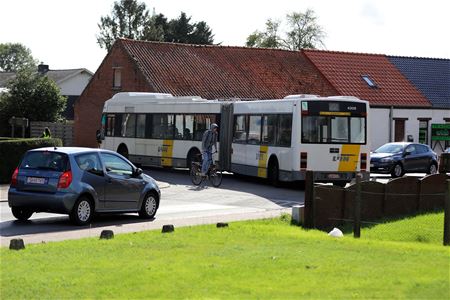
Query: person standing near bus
pixel 209 140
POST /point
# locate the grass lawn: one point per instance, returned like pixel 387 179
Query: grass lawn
pixel 259 259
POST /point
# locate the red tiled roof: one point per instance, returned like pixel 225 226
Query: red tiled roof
pixel 345 70
pixel 220 72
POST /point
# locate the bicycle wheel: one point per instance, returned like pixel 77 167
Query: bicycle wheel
pixel 196 175
pixel 215 176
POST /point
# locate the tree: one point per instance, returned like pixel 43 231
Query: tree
pixel 303 32
pixel 15 56
pixel 267 39
pixel 33 96
pixel 128 19
pixel 131 19
pixel 180 29
pixel 202 34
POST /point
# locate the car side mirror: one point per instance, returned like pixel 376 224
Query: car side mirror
pixel 407 153
pixel 138 171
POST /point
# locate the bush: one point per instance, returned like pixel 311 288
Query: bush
pixel 12 150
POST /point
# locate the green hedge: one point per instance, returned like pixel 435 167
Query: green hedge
pixel 12 150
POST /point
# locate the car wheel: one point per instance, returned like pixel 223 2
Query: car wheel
pixel 20 213
pixel 149 206
pixel 432 169
pixel 397 171
pixel 82 211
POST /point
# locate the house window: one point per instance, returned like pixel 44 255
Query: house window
pixel 369 81
pixel 423 131
pixel 117 78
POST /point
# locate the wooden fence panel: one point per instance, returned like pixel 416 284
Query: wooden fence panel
pixel 372 197
pixel 429 186
pixel 402 197
pixel 64 131
pixel 328 206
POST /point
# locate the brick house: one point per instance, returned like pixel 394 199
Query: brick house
pixel 211 72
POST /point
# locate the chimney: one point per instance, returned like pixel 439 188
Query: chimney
pixel 42 69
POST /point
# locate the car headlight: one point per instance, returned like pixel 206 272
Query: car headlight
pixel 386 159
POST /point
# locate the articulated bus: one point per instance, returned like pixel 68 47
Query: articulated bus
pixel 274 139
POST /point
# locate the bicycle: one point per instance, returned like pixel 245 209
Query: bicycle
pixel 214 173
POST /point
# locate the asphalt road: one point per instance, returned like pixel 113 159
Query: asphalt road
pixel 182 204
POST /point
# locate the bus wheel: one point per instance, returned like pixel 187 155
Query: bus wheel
pixel 273 173
pixel 123 150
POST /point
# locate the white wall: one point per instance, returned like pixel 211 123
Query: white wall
pixel 75 85
pixel 379 123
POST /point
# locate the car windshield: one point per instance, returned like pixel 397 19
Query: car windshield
pixel 45 160
pixel 390 148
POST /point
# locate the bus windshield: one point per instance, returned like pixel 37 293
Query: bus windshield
pixel 333 129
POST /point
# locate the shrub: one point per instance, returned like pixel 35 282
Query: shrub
pixel 12 150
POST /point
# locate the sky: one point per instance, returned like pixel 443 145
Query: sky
pixel 62 33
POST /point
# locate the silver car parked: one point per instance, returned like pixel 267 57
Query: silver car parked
pixel 80 182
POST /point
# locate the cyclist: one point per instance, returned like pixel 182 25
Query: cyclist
pixel 209 140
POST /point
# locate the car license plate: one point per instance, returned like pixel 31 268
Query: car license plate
pixel 334 176
pixel 36 180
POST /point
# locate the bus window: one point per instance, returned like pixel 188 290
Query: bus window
pixel 188 127
pixel 358 130
pixel 162 126
pixel 140 126
pixel 179 120
pixel 201 123
pixel 158 126
pixel 110 125
pixel 240 129
pixel 148 125
pixel 339 130
pixel 254 130
pixel 118 125
pixel 314 129
pixel 285 130
pixel 269 129
pixel 333 129
pixel 128 125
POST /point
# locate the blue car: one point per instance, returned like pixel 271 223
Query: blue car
pixel 400 158
pixel 80 182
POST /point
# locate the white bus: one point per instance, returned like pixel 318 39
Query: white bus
pixel 275 139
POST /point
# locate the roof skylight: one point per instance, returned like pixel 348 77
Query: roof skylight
pixel 369 81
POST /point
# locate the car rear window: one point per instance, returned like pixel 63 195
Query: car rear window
pixel 45 160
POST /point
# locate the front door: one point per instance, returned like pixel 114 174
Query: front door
pixel 122 190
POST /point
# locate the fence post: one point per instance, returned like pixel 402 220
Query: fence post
pixel 447 215
pixel 309 199
pixel 357 208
